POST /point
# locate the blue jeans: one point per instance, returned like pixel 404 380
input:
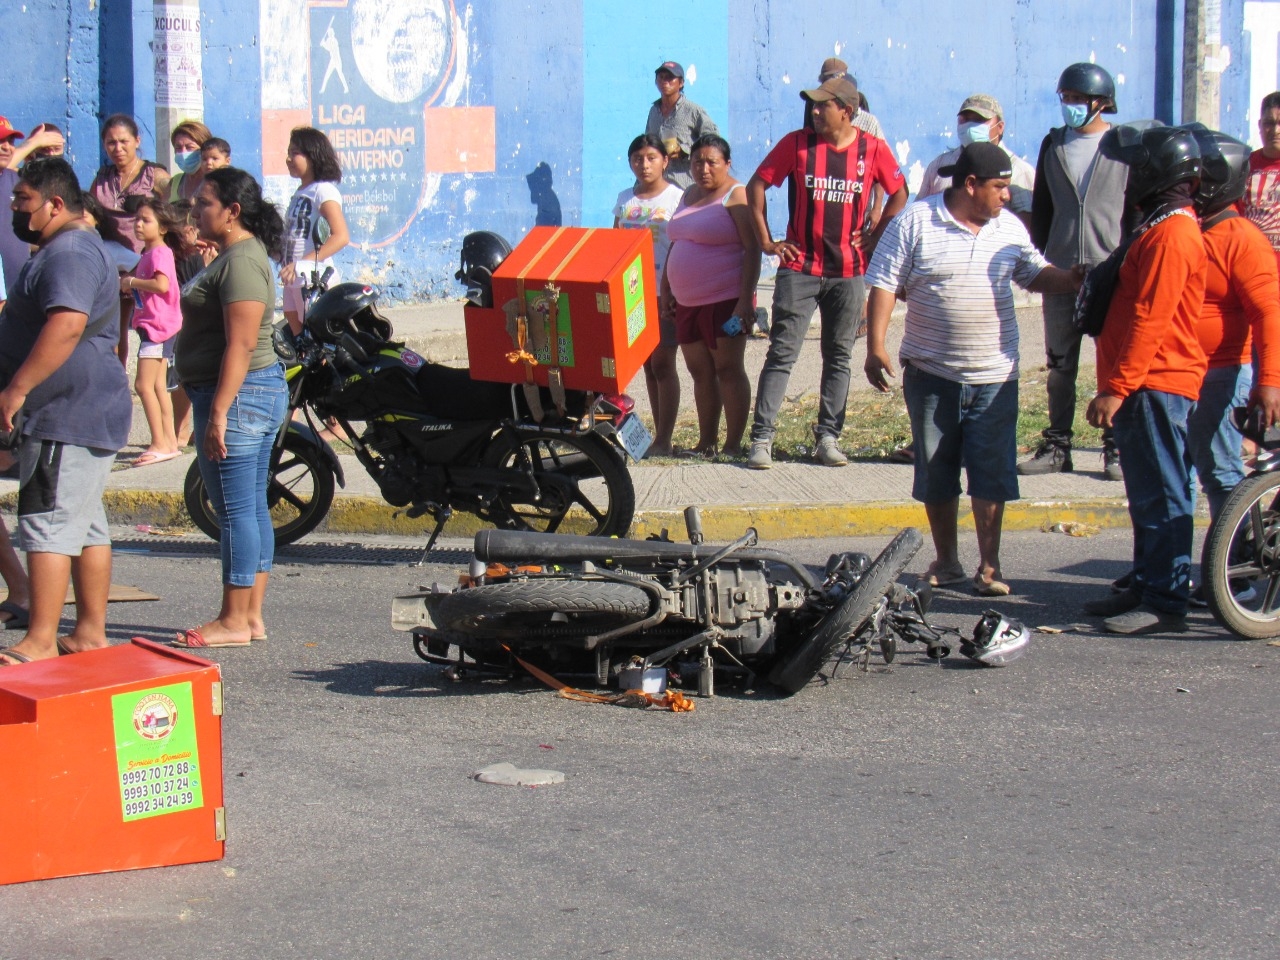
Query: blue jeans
pixel 1212 434
pixel 237 485
pixel 974 424
pixel 1151 432
pixel 839 303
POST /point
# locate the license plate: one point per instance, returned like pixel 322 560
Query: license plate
pixel 634 437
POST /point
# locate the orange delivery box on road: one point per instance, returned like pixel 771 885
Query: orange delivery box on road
pixel 110 760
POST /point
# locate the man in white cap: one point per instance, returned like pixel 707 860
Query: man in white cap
pixel 980 120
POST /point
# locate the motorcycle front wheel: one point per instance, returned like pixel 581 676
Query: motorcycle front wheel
pixel 583 485
pixel 552 610
pixel 1241 560
pixel 795 671
pixel 300 491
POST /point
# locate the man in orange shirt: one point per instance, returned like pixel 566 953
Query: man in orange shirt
pixel 1150 367
pixel 1241 312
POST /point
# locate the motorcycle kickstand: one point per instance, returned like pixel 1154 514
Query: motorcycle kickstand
pixel 442 517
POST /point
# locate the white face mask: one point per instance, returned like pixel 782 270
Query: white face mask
pixel 975 132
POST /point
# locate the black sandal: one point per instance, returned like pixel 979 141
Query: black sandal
pixel 19 616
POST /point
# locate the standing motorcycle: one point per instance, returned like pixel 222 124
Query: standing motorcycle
pixel 622 608
pixel 1240 563
pixel 435 440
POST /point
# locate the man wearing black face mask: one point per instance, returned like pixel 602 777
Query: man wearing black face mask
pixel 63 386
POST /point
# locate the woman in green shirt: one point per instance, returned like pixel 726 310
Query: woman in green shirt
pixel 226 362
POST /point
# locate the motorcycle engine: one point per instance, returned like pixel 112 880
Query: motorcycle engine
pixel 747 604
pixel 401 476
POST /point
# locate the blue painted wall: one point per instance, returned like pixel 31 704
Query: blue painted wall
pixel 568 85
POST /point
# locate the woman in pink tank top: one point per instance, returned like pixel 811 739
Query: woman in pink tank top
pixel 711 274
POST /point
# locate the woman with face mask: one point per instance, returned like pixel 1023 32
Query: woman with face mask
pixel 187 139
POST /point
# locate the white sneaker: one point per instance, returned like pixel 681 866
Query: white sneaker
pixel 761 456
pixel 828 453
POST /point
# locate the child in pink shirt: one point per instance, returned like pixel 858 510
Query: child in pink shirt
pixel 157 316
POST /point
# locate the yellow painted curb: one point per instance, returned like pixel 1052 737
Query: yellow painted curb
pixel 805 521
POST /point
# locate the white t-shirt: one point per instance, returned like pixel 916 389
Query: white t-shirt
pixel 652 214
pixel 1021 184
pixel 305 229
pixel 961 324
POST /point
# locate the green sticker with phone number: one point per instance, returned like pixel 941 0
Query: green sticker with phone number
pixel 157 757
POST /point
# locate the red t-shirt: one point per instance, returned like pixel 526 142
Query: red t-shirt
pixel 1261 201
pixel 828 193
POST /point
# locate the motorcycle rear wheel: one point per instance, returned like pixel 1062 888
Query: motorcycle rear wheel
pixel 1243 545
pixel 548 610
pixel 300 492
pixel 584 483
pixel 793 673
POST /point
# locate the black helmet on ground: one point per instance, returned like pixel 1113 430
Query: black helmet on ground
pixel 1224 174
pixel 482 252
pixel 1158 157
pixel 1091 80
pixel 347 308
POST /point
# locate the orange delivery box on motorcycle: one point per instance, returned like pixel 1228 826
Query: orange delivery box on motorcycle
pixel 577 303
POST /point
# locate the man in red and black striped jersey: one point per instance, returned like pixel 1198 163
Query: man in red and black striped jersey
pixel 829 171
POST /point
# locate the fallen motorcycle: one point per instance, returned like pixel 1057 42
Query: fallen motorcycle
pixel 435 440
pixel 640 608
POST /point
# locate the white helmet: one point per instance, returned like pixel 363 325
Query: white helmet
pixel 996 641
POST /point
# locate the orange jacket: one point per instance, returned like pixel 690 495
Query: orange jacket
pixel 1149 338
pixel 1241 297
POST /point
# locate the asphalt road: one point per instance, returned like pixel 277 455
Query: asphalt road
pixel 1073 805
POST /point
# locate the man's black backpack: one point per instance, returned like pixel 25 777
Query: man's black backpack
pixel 1094 298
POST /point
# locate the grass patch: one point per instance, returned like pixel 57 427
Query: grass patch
pixel 876 424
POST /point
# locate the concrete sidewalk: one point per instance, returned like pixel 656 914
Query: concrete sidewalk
pixel 791 500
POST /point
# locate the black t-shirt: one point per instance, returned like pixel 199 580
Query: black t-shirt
pixel 85 401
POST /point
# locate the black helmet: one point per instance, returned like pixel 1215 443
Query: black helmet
pixel 1225 169
pixel 482 253
pixel 347 308
pixel 1091 80
pixel 1157 156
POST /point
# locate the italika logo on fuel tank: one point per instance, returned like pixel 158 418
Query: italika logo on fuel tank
pixel 155 716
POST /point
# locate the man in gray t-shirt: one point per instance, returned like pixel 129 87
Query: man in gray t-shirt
pixel 677 121
pixel 58 368
pixel 1077 214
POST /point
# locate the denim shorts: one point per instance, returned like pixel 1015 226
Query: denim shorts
pixel 156 349
pixel 973 425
